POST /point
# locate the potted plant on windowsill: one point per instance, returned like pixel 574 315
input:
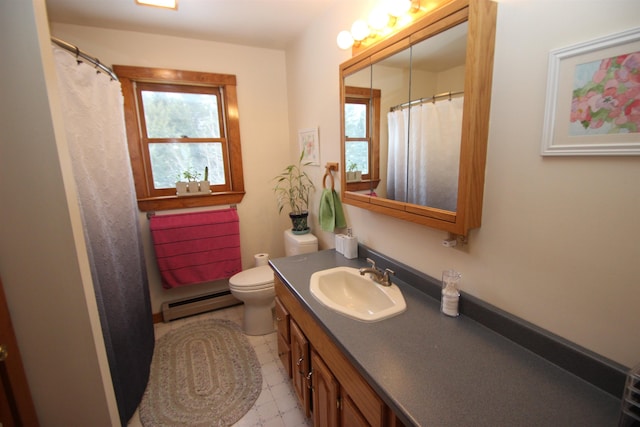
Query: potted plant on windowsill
pixel 193 186
pixel 353 175
pixel 292 190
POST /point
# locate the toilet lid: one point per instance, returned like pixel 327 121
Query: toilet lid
pixel 257 276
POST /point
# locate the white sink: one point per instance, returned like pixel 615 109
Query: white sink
pixel 344 290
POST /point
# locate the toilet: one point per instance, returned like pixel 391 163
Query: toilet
pixel 255 288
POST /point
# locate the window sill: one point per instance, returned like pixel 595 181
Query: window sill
pixel 175 202
pixel 363 185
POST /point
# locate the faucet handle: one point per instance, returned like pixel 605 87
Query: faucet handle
pixel 372 262
pixel 387 276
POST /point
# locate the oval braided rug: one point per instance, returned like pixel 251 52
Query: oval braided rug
pixel 202 374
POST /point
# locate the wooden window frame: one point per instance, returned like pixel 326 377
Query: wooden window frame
pixel 150 199
pixel 354 94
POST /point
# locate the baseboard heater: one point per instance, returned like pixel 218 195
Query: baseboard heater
pixel 185 307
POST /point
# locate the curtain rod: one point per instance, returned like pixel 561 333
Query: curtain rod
pixel 434 98
pixel 80 54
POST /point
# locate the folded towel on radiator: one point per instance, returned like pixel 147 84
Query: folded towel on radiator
pixel 196 247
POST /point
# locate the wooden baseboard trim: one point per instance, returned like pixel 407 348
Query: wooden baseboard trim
pixel 157 318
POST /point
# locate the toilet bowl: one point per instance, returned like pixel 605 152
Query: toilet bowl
pixel 254 286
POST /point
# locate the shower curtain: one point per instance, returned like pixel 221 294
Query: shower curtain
pixel 95 130
pixel 424 153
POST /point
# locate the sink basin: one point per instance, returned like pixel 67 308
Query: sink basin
pixel 344 290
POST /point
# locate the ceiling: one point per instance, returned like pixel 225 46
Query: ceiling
pixel 261 23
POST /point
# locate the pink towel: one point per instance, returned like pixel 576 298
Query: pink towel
pixel 196 247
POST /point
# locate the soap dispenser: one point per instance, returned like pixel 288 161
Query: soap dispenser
pixel 450 293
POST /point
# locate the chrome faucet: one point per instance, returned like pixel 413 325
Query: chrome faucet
pixel 377 275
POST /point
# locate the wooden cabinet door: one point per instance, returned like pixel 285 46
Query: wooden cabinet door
pixel 324 394
pixel 350 416
pixel 16 404
pixel 300 365
pixel 284 341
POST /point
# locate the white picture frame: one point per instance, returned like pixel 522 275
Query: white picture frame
pixel 309 143
pixel 575 122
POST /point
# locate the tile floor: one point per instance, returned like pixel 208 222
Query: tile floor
pixel 277 405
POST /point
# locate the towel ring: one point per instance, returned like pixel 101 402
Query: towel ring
pixel 330 166
pixel 324 179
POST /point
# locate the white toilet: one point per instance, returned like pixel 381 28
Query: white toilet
pixel 254 286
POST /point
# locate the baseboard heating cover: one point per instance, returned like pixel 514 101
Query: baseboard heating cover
pixel 184 307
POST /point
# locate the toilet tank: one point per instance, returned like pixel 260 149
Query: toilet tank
pixel 295 244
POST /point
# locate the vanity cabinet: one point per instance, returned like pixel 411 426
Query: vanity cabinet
pixel 329 387
pixel 301 367
pixel 325 391
pixel 332 405
pixel 284 350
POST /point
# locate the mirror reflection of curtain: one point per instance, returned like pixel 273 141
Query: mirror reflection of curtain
pixel 424 169
pixel 398 141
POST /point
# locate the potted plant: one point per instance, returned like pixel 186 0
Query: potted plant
pixel 353 175
pixel 205 186
pixel 292 190
pixel 192 184
pixel 192 176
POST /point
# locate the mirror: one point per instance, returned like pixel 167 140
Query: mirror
pixel 415 119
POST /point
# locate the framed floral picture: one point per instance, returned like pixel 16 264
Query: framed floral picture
pixel 593 98
pixel 310 145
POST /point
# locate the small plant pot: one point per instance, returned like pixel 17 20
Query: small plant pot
pixel 355 176
pixel 205 187
pixel 181 188
pixel 193 186
pixel 299 222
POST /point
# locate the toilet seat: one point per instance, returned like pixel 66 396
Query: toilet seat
pixel 253 279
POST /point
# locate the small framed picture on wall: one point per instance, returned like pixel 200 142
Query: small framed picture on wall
pixel 310 145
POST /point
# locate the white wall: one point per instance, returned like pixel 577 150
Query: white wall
pixel 558 244
pixel 262 104
pixel 43 261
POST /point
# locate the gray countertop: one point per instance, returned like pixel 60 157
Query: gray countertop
pixel 434 370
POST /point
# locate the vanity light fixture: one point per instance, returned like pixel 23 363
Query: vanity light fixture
pixel 397 8
pixel 345 40
pixel 381 21
pixel 359 30
pixel 167 4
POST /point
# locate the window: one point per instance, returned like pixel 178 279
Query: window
pixel 362 135
pixel 181 121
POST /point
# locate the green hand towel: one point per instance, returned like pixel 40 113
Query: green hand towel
pixel 331 214
pixel 327 214
pixel 341 222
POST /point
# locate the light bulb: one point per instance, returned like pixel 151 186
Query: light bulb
pixel 398 7
pixel 378 18
pixel 345 41
pixel 359 30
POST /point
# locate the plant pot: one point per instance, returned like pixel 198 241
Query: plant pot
pixel 181 188
pixel 355 176
pixel 193 186
pixel 205 187
pixel 299 222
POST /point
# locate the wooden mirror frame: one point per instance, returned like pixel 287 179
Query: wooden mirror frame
pixel 481 16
